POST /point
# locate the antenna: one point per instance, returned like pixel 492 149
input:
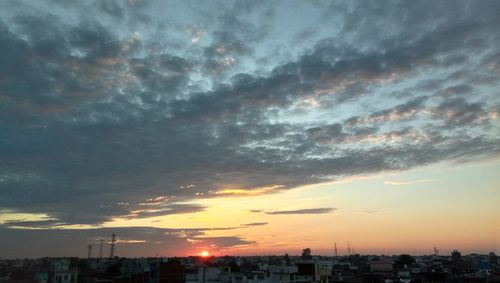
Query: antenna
pixel 336 250
pixel 436 251
pixel 90 252
pixel 348 248
pixel 101 247
pixel 113 241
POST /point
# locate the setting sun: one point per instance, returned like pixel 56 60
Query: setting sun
pixel 204 254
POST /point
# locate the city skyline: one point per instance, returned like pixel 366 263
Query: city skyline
pixel 249 127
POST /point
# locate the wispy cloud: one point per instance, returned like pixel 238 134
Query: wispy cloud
pixel 248 192
pixel 254 224
pixel 368 212
pixel 175 208
pixel 373 211
pixel 303 211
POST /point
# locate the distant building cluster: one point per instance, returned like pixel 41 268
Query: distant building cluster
pixel 256 269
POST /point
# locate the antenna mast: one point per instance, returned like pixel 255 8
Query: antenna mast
pixel 101 247
pixel 90 252
pixel 113 241
pixel 436 251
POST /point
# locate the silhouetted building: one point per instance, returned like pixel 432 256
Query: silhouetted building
pixel 458 265
pixel 134 271
pixel 313 270
pixel 456 256
pixel 171 272
pixel 381 266
pixel 493 258
pixel 62 272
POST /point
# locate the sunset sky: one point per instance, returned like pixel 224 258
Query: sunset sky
pixel 249 127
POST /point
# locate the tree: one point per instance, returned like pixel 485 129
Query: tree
pixel 274 260
pixel 404 260
pixel 234 266
pixel 113 269
pixel 306 253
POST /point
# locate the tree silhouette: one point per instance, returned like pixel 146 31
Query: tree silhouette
pixel 306 253
pixel 404 260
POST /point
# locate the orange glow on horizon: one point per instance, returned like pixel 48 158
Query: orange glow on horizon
pixel 204 254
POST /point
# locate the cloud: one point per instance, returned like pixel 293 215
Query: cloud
pixel 96 118
pixel 112 8
pixel 303 211
pixel 223 242
pixel 248 192
pixel 169 209
pixel 35 224
pixel 254 224
pixel 460 112
pixel 402 111
pixel 132 241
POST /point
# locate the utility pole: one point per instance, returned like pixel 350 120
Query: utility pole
pixel 89 256
pixel 101 247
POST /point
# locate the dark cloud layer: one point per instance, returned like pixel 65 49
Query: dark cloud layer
pixel 168 210
pixel 96 119
pixel 145 241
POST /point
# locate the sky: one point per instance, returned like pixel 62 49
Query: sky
pixel 249 127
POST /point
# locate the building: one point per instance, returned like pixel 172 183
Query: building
pixel 381 266
pixel 311 270
pixel 62 272
pixel 171 272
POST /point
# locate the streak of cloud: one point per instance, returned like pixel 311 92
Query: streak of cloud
pixel 303 211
